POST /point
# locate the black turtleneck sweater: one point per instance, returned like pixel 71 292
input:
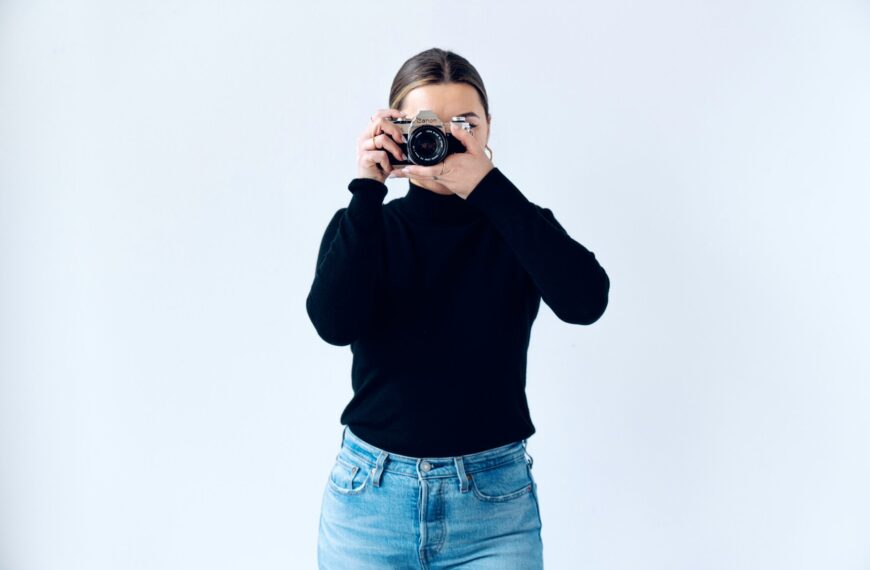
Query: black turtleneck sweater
pixel 436 295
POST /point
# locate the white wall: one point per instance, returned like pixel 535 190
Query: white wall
pixel 166 174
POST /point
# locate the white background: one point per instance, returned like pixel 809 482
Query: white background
pixel 166 174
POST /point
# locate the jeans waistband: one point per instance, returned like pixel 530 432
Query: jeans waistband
pixel 431 467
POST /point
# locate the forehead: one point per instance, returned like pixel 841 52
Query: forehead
pixel 446 100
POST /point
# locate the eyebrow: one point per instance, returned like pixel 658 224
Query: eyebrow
pixel 468 114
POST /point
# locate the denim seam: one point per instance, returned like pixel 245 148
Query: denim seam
pixel 371 464
pixel 489 468
pixel 368 461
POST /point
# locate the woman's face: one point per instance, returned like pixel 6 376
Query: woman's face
pixel 448 100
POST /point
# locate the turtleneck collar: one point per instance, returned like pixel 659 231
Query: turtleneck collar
pixel 441 208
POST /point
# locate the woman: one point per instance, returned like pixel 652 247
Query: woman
pixel 436 292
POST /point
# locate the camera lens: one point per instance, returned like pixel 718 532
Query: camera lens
pixel 427 146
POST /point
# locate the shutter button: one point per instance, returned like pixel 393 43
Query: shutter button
pixel 426 466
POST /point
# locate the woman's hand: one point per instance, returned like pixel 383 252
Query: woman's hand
pixel 372 162
pixel 460 172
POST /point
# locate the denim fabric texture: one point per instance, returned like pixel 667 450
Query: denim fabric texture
pixel 382 510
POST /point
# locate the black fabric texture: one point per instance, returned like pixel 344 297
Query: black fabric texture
pixel 436 295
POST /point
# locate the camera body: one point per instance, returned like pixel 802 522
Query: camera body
pixel 427 140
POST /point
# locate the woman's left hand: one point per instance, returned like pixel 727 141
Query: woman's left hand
pixel 460 172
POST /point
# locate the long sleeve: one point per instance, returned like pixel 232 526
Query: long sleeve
pixel 566 274
pixel 341 303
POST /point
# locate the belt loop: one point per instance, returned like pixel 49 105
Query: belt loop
pixel 460 471
pixel 343 431
pixel 378 469
pixel 531 460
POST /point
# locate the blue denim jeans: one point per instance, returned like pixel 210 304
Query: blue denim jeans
pixel 382 510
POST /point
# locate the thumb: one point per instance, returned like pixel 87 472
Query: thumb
pixel 472 145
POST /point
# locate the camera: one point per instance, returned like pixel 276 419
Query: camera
pixel 427 140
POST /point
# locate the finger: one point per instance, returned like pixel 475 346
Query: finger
pixel 467 138
pixel 383 116
pixel 382 141
pixel 378 157
pixel 380 113
pixel 421 171
pixel 394 130
pixel 377 116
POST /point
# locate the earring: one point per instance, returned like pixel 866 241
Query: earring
pixel 490 151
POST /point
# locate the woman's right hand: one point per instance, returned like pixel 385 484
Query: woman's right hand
pixel 372 159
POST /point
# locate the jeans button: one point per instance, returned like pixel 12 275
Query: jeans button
pixel 426 466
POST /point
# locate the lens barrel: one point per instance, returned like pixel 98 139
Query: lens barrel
pixel 427 145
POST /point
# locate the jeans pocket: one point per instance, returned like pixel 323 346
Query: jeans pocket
pixel 502 483
pixel 349 476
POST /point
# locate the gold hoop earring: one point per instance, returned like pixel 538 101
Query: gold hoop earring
pixel 490 151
